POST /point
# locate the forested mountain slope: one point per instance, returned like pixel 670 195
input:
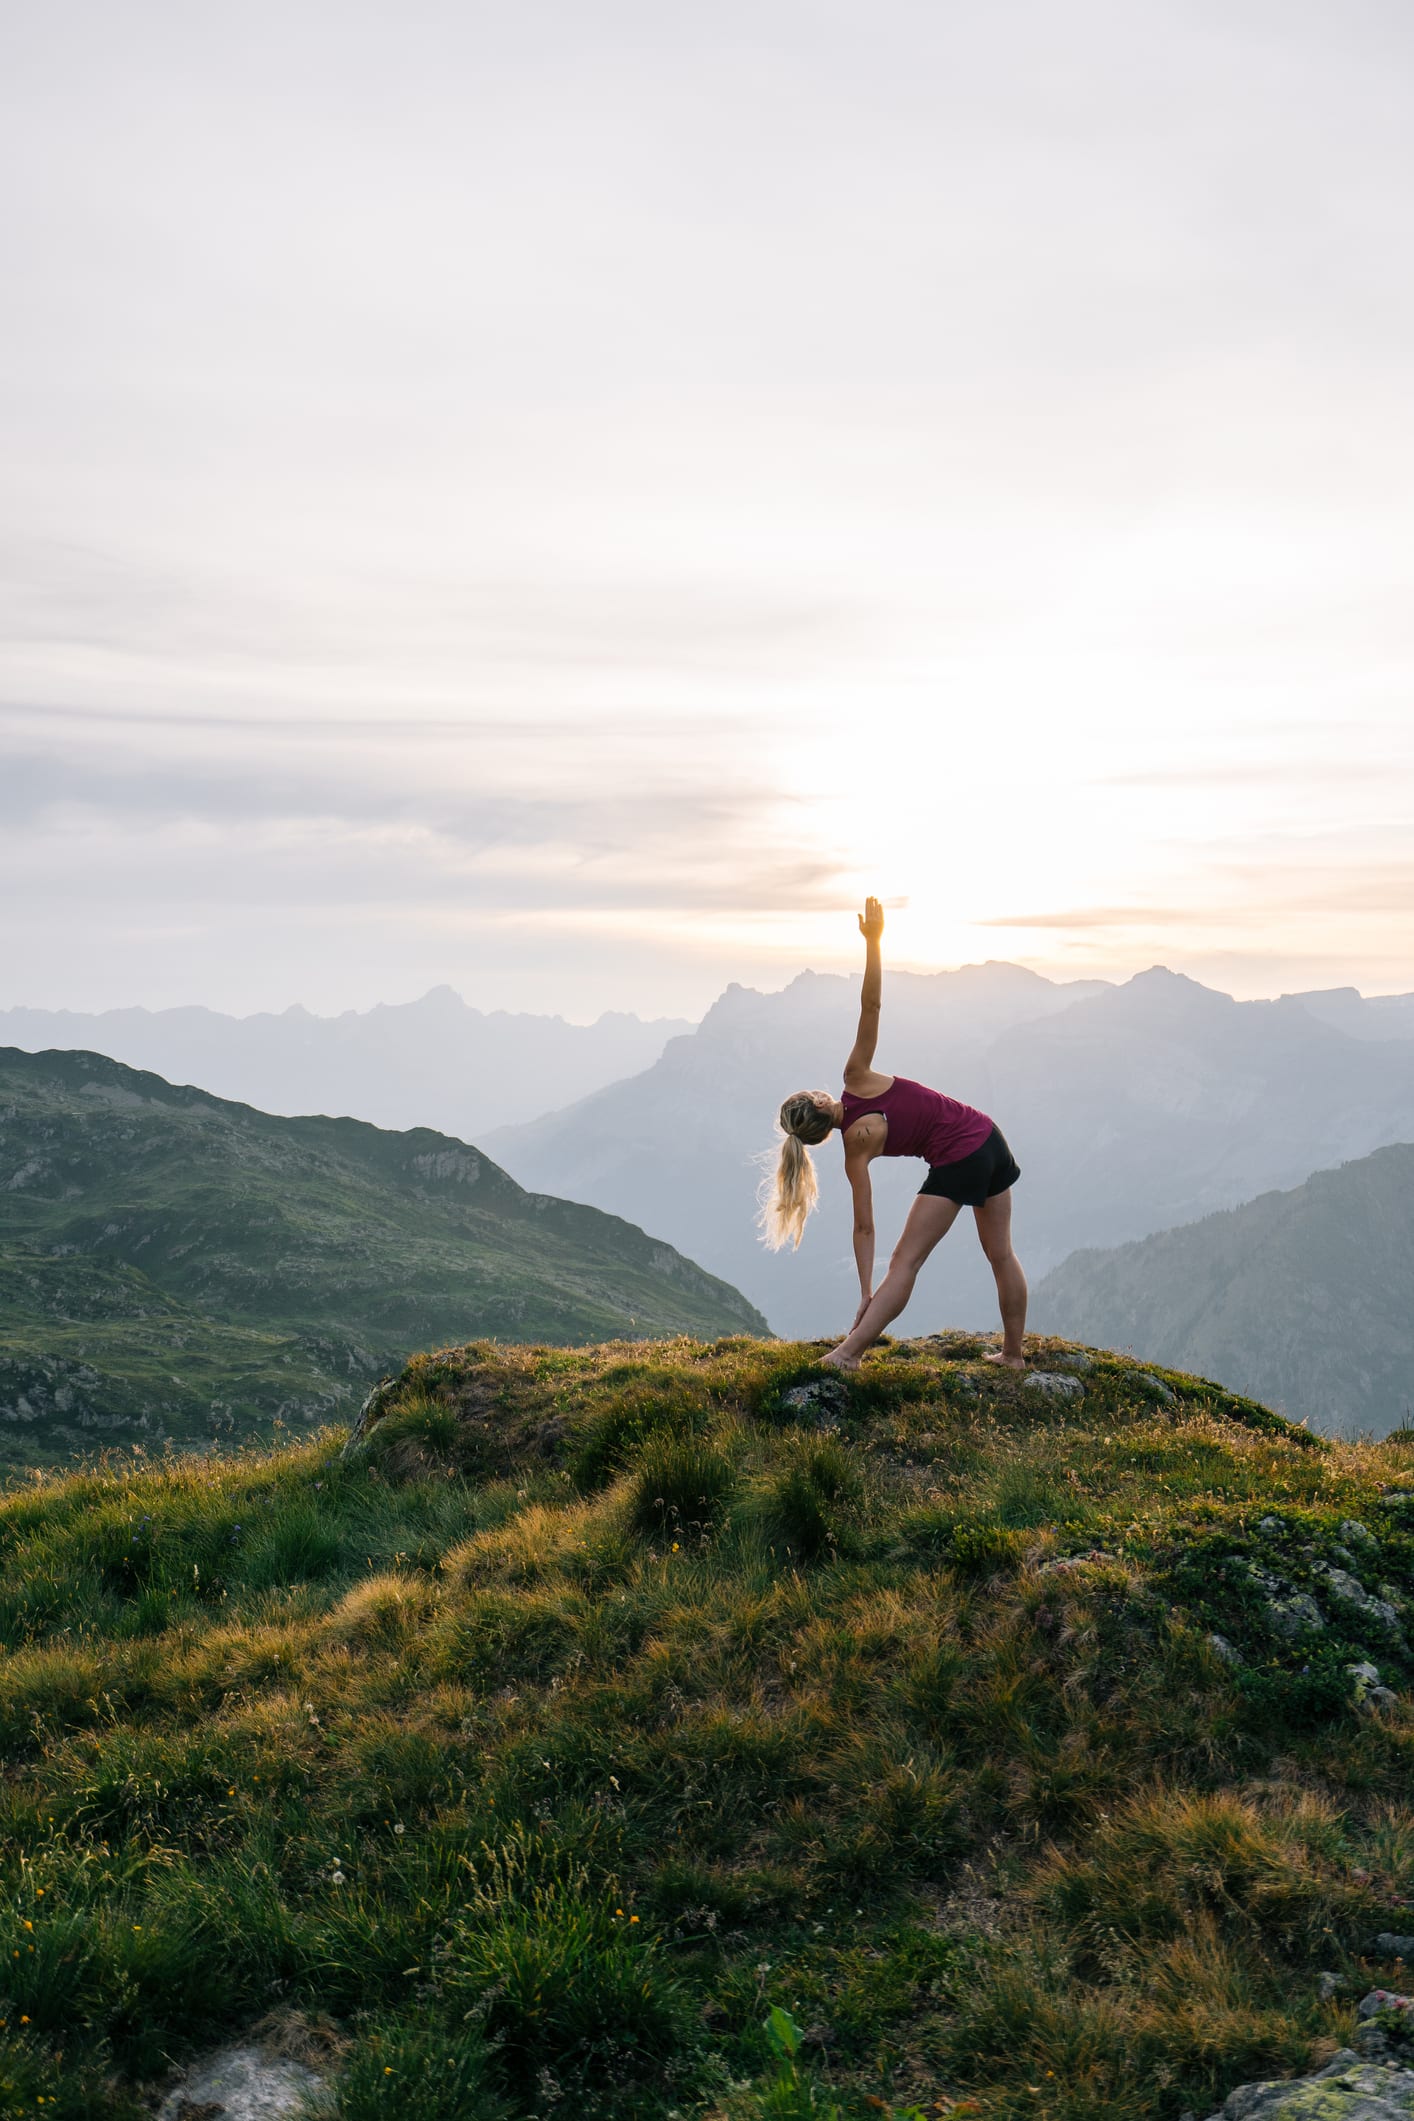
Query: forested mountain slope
pixel 172 1265
pixel 1304 1298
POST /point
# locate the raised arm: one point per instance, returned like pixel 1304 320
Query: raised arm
pixel 871 927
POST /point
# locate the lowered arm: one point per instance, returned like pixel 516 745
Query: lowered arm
pixel 856 1167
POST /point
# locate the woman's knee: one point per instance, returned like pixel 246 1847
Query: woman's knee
pixel 999 1253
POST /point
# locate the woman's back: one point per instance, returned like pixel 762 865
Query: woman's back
pixel 921 1122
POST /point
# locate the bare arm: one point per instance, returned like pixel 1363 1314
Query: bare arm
pixel 856 1168
pixel 871 927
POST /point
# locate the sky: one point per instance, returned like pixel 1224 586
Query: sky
pixel 563 499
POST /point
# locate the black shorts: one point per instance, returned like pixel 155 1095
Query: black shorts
pixel 977 1177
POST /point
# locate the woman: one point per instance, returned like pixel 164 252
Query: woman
pixel 970 1166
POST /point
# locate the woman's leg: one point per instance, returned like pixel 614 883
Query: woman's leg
pixel 929 1219
pixel 994 1229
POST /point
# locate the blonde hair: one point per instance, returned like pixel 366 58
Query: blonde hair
pixel 790 1191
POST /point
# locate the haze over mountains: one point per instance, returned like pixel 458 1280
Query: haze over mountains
pixel 173 1266
pixel 1130 1109
pixel 1304 1299
pixel 436 1062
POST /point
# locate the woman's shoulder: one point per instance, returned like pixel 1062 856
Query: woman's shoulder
pixel 866 1084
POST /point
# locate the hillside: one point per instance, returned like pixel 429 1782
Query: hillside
pixel 1130 1109
pixel 176 1267
pixel 437 1062
pixel 1014 1747
pixel 1302 1298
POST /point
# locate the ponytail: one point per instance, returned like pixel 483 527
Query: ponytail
pixel 789 1192
pixel 787 1197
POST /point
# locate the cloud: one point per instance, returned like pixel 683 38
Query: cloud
pixel 1271 772
pixel 1100 917
pixel 513 819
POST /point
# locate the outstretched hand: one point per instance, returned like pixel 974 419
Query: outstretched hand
pixel 871 920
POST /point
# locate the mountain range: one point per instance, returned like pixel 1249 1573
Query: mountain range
pixel 1301 1298
pixel 436 1062
pixel 174 1266
pixel 1130 1109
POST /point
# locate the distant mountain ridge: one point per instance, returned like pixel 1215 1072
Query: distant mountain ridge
pixel 1304 1298
pixel 176 1266
pixel 436 1062
pixel 1130 1109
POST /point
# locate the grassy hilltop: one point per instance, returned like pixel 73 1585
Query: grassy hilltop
pixel 594 1706
pixel 173 1266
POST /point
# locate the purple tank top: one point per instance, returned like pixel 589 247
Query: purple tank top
pixel 922 1122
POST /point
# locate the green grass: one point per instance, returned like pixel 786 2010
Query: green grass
pixel 594 1737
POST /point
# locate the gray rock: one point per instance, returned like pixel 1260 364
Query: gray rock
pixel 1247 2099
pixel 1273 1526
pixel 823 1398
pixel 1391 1945
pixel 1295 1615
pixel 1164 1393
pixel 1327 1986
pixel 242 2084
pixel 368 1415
pixel 1369 1694
pixel 1343 1588
pixel 1053 1384
pixel 1386 2000
pixel 1345 2058
pixel 1079 1362
pixel 1349 2088
pixel 1225 1651
pixel 1064 1563
pixel 1356 1534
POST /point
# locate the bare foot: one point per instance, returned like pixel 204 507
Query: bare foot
pixel 835 1361
pixel 1010 1362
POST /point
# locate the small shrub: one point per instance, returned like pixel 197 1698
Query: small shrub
pixel 422 2069
pixel 498 1638
pixel 299 1547
pixel 562 1982
pixel 1026 1497
pixel 384 1611
pixel 1278 1873
pixel 420 1433
pixel 680 1490
pixel 610 1438
pixel 46 1691
pixel 983 1549
pixel 810 1498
